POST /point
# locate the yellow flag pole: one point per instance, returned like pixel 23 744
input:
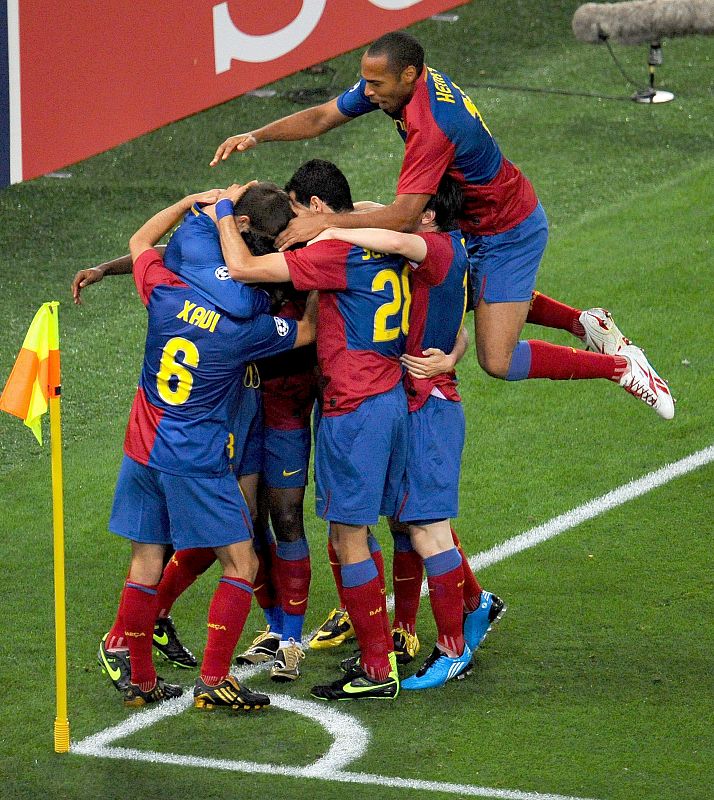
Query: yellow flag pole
pixel 61 720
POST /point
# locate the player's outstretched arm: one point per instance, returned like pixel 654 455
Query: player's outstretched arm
pixel 401 215
pixel 153 229
pixel 436 361
pixel 380 240
pixel 303 125
pixel 242 264
pixel 117 266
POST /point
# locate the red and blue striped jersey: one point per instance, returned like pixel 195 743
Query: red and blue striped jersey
pixel 192 374
pixel 194 253
pixel 438 286
pixel 444 133
pixel 363 314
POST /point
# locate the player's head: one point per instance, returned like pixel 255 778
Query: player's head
pixel 391 67
pixel 262 213
pixel 444 208
pixel 318 186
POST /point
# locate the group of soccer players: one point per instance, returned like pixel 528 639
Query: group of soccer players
pixel 388 299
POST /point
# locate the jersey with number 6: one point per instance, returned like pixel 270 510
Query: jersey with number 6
pixel 192 374
pixel 363 319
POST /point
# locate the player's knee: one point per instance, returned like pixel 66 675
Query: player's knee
pixel 288 522
pixel 494 364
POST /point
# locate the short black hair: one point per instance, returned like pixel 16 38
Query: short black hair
pixel 446 204
pixel 268 208
pixel 324 180
pixel 401 49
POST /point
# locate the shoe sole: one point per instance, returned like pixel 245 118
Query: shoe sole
pixel 203 705
pixel 282 677
pixel 327 644
pixel 175 663
pixel 496 619
pixel 252 661
pixel 353 697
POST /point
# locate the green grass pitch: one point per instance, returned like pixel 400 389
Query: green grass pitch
pixel 597 683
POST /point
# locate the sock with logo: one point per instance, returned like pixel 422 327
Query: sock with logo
pixel 115 639
pixel 138 610
pixel 183 568
pixel 226 617
pixel 293 567
pixel 551 314
pixel 367 609
pixel 471 588
pixel 378 558
pixel 336 572
pixel 537 359
pixel 444 575
pixel 407 571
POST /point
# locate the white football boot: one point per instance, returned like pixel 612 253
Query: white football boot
pixel 643 382
pixel 601 333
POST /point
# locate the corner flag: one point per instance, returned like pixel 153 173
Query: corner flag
pixel 36 374
pixel 33 383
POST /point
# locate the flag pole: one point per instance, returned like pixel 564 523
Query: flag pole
pixel 61 728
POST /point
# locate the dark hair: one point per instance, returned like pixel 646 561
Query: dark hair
pixel 268 208
pixel 446 204
pixel 324 180
pixel 401 49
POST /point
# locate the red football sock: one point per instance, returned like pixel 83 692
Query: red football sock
pixel 471 588
pixel 445 596
pixel 336 573
pixel 551 314
pixel 294 580
pixel 138 610
pixel 226 617
pixel 376 553
pixel 407 571
pixel 368 612
pixel 566 363
pixel 182 570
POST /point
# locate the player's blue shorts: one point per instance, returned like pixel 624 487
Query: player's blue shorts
pixel 156 507
pixel 430 490
pixel 246 447
pixel 286 457
pixel 503 266
pixel 360 458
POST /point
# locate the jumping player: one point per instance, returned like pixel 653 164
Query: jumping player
pixel 505 225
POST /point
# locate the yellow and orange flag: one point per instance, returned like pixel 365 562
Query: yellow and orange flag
pixel 35 377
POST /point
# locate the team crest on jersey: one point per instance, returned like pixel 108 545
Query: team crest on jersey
pixel 282 326
pixel 222 273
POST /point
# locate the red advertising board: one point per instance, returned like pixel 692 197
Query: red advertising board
pixel 93 75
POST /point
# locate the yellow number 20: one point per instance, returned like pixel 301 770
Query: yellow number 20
pixel 401 300
pixel 171 368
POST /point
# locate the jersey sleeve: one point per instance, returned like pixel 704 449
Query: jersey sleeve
pixel 427 156
pixel 439 256
pixel 319 266
pixel 353 102
pixel 270 336
pixel 149 271
pixel 215 284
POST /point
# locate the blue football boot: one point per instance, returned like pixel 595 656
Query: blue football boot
pixel 478 623
pixel 438 669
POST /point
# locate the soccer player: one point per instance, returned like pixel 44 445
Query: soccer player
pixel 505 225
pixel 429 494
pixel 174 486
pixel 360 448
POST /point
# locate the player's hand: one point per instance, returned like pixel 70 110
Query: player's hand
pixel 235 191
pixel 239 143
pixel 302 229
pixel 207 198
pixel 435 362
pixel 83 278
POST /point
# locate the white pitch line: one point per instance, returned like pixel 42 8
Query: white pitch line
pixel 350 739
pixel 585 512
